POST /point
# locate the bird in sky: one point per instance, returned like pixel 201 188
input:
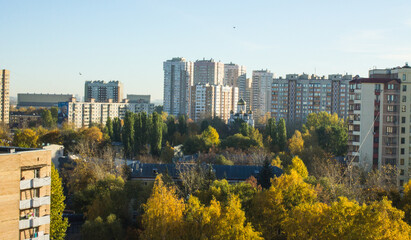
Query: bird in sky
pixel 234 27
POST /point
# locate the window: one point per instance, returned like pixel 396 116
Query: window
pixel 402 140
pixel 404 88
pixel 391 108
pixel 402 172
pixel 404 98
pixel 389 129
pixel 402 161
pixel 36 192
pixel 37 173
pixel 404 77
pixel 403 120
pixel 403 108
pixel 401 183
pixel 402 151
pixel 391 87
pixel 403 130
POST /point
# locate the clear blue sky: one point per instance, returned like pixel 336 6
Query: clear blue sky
pixel 45 44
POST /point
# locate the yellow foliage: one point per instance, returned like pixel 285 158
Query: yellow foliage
pixel 298 166
pixel 296 143
pixel 163 216
pixel 276 162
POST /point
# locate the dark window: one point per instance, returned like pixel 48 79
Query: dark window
pixel 402 151
pixel 402 140
pixel 403 130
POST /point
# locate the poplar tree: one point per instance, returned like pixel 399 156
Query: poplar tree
pixel 58 224
pixel 109 127
pixel 282 135
pixel 156 134
pixel 127 134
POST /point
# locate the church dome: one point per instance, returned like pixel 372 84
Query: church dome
pixel 241 102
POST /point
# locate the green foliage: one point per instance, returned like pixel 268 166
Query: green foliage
pixel 239 141
pixel 97 229
pixel 109 128
pixel 127 134
pixel 194 144
pixel 156 134
pixel 329 131
pixel 221 160
pixel 265 174
pixel 47 119
pixel 282 135
pixel 116 130
pixel 58 224
pixel 167 153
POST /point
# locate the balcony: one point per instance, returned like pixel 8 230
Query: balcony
pixel 40 236
pixel 35 183
pixel 35 202
pixel 34 222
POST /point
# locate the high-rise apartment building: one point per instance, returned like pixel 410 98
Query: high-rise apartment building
pixel 379 120
pixel 296 96
pixel 83 114
pixel 25 182
pixel 178 79
pixel 102 91
pixel 208 72
pixel 213 101
pixel 261 92
pixel 232 73
pixel 5 96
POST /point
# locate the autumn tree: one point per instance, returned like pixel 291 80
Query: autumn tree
pixel 163 213
pixel 25 138
pixel 406 202
pixel 109 128
pixel 296 143
pixel 298 166
pixel 58 224
pixel 210 137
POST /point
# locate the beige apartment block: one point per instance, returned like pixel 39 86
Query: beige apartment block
pixel 25 185
pixel 379 121
pixel 4 96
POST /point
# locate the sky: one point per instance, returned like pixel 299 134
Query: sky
pixel 46 44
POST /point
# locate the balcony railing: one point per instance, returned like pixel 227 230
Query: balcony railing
pixel 40 236
pixel 34 222
pixel 35 202
pixel 35 183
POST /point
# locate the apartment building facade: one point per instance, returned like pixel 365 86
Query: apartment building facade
pixel 102 91
pixel 296 96
pixel 232 73
pixel 83 114
pixel 4 96
pixel 379 121
pixel 261 92
pixel 208 72
pixel 178 79
pixel 25 188
pixel 213 101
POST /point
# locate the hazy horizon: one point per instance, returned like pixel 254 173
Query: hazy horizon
pixel 46 44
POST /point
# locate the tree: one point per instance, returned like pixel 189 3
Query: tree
pixel 116 130
pixel 406 202
pixel 282 135
pixel 194 144
pixel 210 137
pixel 54 113
pixel 25 138
pixel 156 134
pixel 296 143
pixel 91 134
pixel 127 134
pixel 109 128
pixel 58 224
pixel 298 166
pixel 271 135
pixel 47 118
pixel 163 213
pixel 266 173
pixel 182 125
pixel 167 153
pixel 97 229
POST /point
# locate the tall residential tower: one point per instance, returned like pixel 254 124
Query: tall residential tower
pixel 4 96
pixel 178 79
pixel 102 91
